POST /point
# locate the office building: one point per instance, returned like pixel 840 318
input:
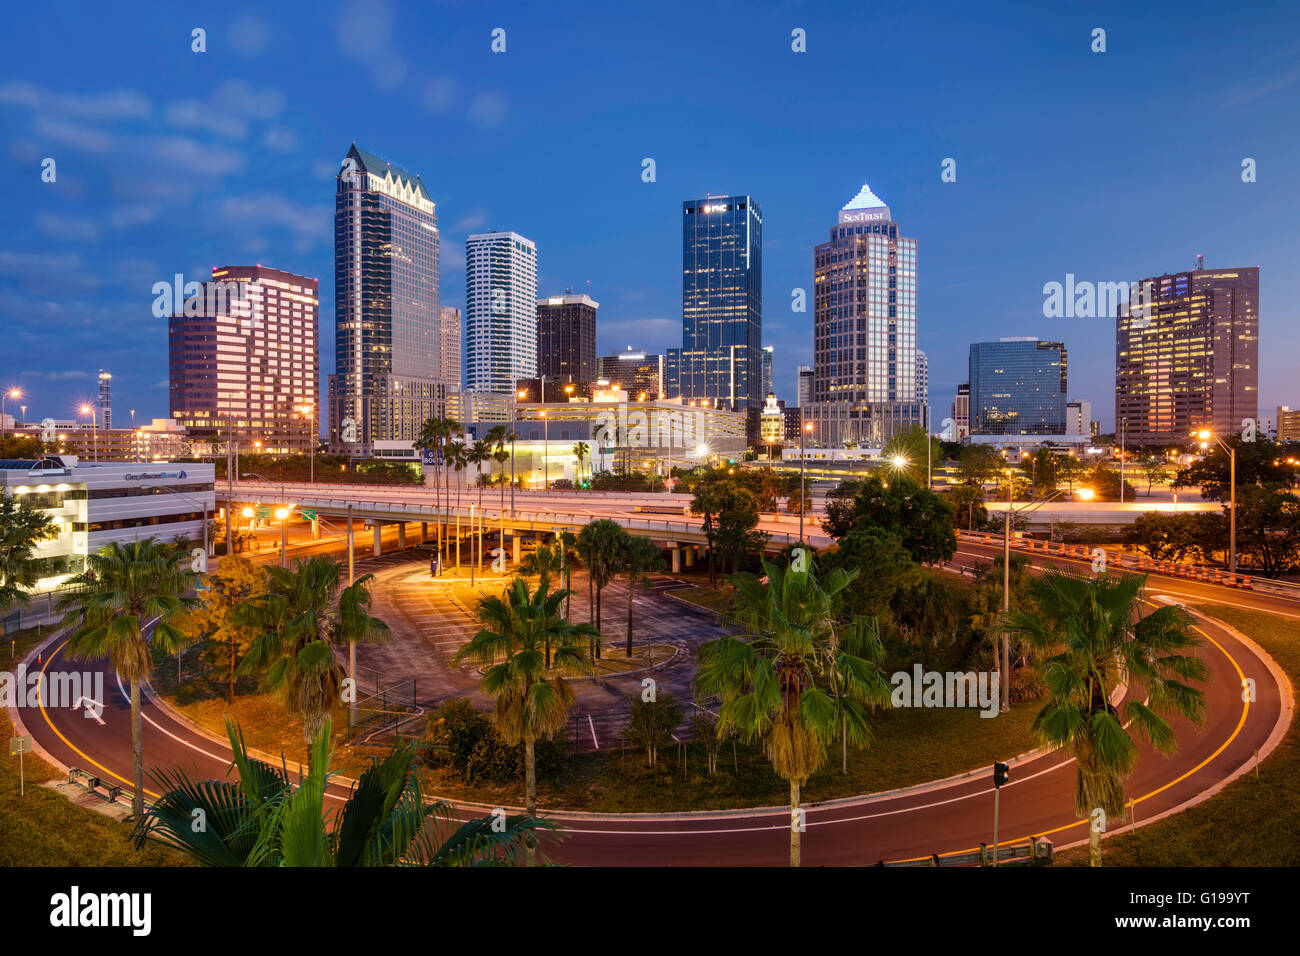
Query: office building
pixel 387 321
pixel 1078 417
pixel 864 329
pixel 1187 355
pixel 720 361
pixel 1287 424
pixel 243 361
pixel 105 399
pixel 500 311
pixel 769 384
pixel 961 413
pixel 922 377
pixel 803 388
pixel 449 334
pixel 636 370
pixel 566 338
pixel 94 504
pixel 1018 387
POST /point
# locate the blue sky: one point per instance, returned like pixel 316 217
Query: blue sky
pixel 1110 166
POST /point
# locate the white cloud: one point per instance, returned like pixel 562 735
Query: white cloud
pixel 195 157
pixel 281 139
pixel 191 114
pixel 365 34
pixel 115 105
pixel 249 36
pixel 87 139
pixel 306 223
pixel 68 228
pixel 487 110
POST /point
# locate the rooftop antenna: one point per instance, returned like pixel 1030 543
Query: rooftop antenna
pixel 1200 262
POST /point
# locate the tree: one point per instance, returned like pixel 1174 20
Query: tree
pixel 980 464
pixel 1164 537
pixel 20 447
pixel 910 446
pixel 1096 636
pixel 1259 462
pixel 883 567
pixel 601 545
pixel 735 534
pixel 987 603
pixel 1153 470
pixel 531 700
pixel 651 724
pixel 1268 528
pixel 125 591
pixel 776 680
pixel 1069 470
pixel 1041 468
pixel 302 621
pixel 22 528
pixel 580 450
pixel 266 819
pixel 235 581
pixel 921 518
pixel 1104 482
pixel 967 503
pixel 640 556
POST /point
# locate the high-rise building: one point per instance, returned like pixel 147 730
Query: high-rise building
pixel 634 370
pixel 720 360
pixel 387 322
pixel 566 338
pixel 500 311
pixel 769 383
pixel 803 393
pixel 1078 417
pixel 864 328
pixel 244 361
pixel 105 399
pixel 1018 387
pixel 449 334
pixel 922 377
pixel 1187 355
pixel 1287 424
pixel 961 413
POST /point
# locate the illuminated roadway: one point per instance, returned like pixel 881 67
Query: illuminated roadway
pixel 944 817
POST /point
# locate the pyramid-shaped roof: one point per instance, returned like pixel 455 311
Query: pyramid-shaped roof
pixel 865 199
pixel 373 164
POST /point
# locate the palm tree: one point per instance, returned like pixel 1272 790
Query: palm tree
pixel 265 819
pixel 567 542
pixel 127 606
pixel 640 555
pixel 545 561
pixel 302 620
pixel 458 458
pixel 21 529
pixel 532 700
pixel 776 681
pixel 1096 636
pixel 496 438
pixel 601 546
pixel 580 450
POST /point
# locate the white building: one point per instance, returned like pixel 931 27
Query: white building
pixel 95 504
pixel 1078 417
pixel 500 311
pixel 922 377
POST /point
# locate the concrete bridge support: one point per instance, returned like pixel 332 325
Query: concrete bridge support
pixel 378 538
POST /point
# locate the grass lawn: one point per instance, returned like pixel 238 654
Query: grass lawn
pixel 41 828
pixel 904 753
pixel 1250 822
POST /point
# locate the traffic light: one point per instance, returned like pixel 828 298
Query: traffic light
pixel 1000 771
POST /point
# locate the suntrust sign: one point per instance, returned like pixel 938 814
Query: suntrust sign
pixel 144 476
pixel 855 216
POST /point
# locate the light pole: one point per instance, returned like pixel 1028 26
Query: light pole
pixel 283 513
pixel 546 447
pixel 8 393
pixel 94 429
pixel 1123 433
pixel 305 411
pixel 929 468
pixel 1206 436
pixel 514 418
pixel 803 470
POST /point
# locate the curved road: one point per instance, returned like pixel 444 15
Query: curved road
pixel 945 817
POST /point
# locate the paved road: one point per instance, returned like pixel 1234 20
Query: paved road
pixel 950 817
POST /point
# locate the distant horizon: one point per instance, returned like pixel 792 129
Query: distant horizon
pixel 1064 162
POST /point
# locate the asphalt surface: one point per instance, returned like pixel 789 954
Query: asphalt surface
pixel 946 817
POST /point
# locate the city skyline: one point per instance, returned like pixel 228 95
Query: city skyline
pixel 275 212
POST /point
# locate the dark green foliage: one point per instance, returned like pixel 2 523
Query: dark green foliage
pixel 464 740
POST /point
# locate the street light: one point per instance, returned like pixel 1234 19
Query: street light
pixel 306 410
pixel 1206 436
pixel 546 447
pixel 803 469
pixel 282 513
pixel 94 429
pixel 8 393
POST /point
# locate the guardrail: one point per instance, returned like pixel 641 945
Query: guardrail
pixel 110 791
pixel 1033 851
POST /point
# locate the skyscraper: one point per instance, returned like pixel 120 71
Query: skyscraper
pixel 922 377
pixel 803 393
pixel 864 328
pixel 105 400
pixel 449 333
pixel 720 360
pixel 961 413
pixel 1187 355
pixel 1017 387
pixel 244 360
pixel 769 384
pixel 387 339
pixel 566 338
pixel 500 311
pixel 634 370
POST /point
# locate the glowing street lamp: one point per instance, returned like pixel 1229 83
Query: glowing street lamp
pixel 94 429
pixel 9 393
pixel 1085 494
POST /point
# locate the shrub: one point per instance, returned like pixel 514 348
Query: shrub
pixel 463 738
pixel 651 724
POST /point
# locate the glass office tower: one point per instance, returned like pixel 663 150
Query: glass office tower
pixel 720 360
pixel 387 331
pixel 1017 387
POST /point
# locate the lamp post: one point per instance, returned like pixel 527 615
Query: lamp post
pixel 1206 436
pixel 305 411
pixel 546 447
pixel 94 429
pixel 803 469
pixel 1123 433
pixel 283 513
pixel 514 418
pixel 6 394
